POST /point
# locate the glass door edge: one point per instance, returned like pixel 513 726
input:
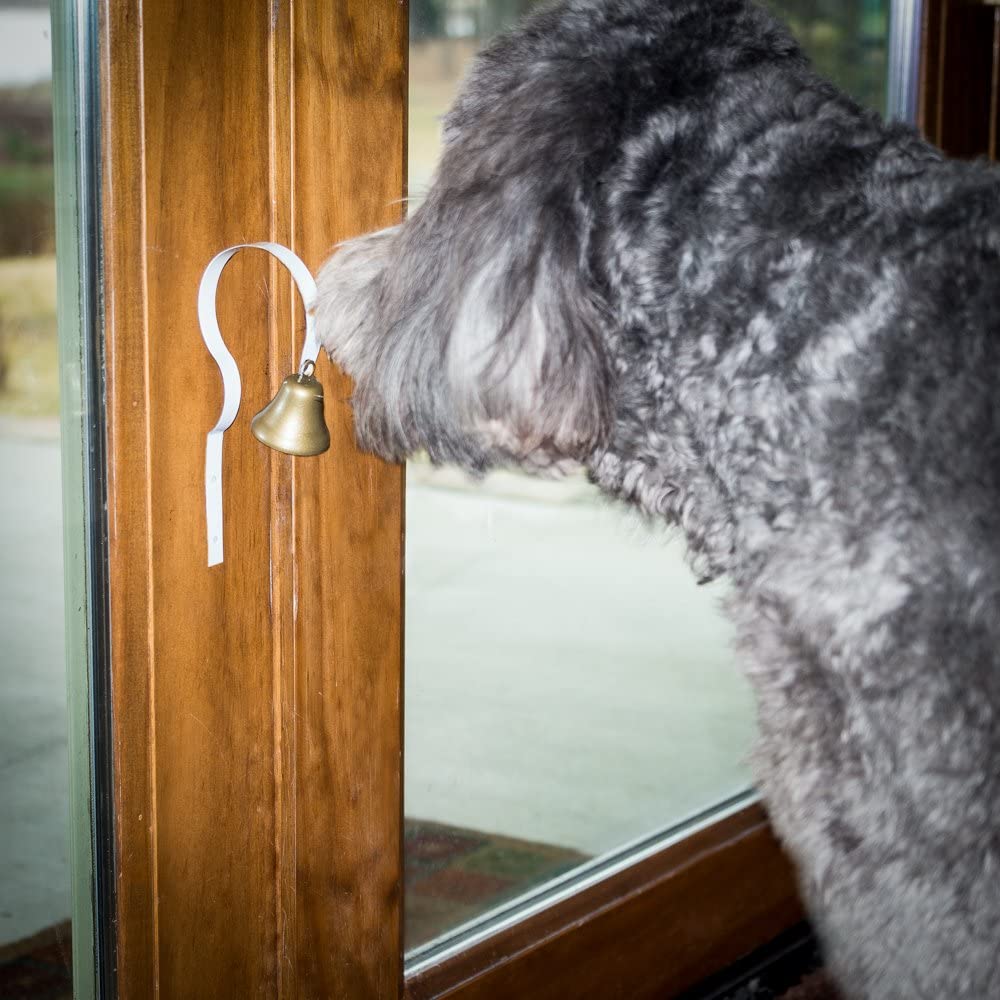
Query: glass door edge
pixel 77 180
pixel 903 84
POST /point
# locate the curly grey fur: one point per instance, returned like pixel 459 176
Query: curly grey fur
pixel 660 245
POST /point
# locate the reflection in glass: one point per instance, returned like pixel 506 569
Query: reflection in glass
pixel 34 768
pixel 569 689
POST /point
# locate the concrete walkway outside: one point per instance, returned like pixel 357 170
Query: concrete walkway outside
pixel 566 679
pixel 34 770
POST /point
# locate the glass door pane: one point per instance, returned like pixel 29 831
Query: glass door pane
pixel 35 900
pixel 47 442
pixel 571 693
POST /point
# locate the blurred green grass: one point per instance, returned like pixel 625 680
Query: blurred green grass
pixel 29 351
pixel 27 209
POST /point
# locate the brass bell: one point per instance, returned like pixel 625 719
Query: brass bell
pixel 293 421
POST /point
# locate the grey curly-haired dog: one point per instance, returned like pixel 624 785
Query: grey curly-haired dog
pixel 659 245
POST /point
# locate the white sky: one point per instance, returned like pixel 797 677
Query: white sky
pixel 25 46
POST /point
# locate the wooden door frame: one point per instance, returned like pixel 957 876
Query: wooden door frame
pixel 256 706
pixel 959 95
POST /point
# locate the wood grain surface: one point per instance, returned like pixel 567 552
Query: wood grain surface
pixel 960 77
pixel 257 704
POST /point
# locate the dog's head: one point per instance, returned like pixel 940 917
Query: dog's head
pixel 481 328
pixel 476 330
pixel 471 335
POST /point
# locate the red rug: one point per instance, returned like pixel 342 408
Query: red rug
pixel 814 987
pixel 454 875
pixel 39 967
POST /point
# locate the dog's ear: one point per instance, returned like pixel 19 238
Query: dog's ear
pixel 475 329
pixel 520 323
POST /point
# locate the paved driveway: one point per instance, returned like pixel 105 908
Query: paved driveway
pixel 34 784
pixel 566 679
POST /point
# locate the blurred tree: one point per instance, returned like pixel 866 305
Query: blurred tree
pixel 499 14
pixel 846 40
pixel 426 19
pixel 27 210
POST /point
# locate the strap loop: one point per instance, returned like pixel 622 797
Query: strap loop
pixel 232 386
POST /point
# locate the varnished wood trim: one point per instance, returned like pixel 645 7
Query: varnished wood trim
pixel 348 143
pixel 995 87
pixel 257 705
pixel 653 930
pixel 129 514
pixel 959 76
pixel 929 98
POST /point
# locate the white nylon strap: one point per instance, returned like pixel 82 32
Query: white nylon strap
pixel 232 387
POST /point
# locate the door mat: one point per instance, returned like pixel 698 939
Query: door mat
pixel 39 967
pixel 813 987
pixel 454 875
